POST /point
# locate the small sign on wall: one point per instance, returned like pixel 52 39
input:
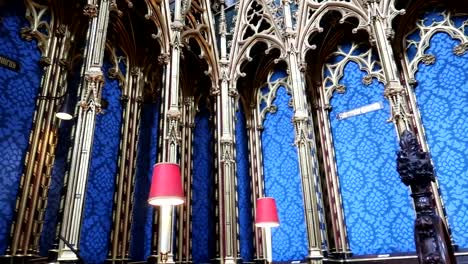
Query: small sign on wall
pixel 361 110
pixel 9 63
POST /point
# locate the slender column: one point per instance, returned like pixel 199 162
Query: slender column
pixel 185 210
pixel 394 91
pixel 163 61
pixel 123 201
pixel 89 106
pixel 304 144
pixel 32 201
pixel 256 170
pixel 339 246
pixel 227 182
pixel 172 117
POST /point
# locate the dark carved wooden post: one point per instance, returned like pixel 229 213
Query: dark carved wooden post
pixel 433 244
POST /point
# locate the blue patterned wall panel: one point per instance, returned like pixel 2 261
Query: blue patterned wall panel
pixel 97 218
pixel 442 96
pixel 283 181
pixel 203 218
pixel 243 188
pixel 140 243
pixel 18 91
pixel 378 211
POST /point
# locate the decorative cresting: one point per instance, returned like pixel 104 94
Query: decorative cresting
pixel 433 243
pixel 90 105
pixel 425 29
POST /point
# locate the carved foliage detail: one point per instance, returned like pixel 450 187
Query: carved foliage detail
pixel 90 10
pixel 413 164
pixel 92 96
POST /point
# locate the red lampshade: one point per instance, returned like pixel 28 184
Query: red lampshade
pixel 166 186
pixel 266 214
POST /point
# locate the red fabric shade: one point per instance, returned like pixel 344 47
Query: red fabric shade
pixel 166 186
pixel 266 214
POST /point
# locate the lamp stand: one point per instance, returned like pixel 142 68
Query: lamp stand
pixel 268 252
pixel 165 230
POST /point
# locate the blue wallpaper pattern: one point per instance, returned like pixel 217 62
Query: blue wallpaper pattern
pixel 203 217
pixel 442 93
pixel 140 241
pixel 377 206
pixel 283 181
pixel 18 92
pixel 97 218
pixel 243 188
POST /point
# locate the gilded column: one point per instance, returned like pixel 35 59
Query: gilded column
pixel 304 144
pixel 123 197
pixel 254 129
pixel 184 211
pixel 227 182
pixel 89 106
pixel 31 203
pixel 172 119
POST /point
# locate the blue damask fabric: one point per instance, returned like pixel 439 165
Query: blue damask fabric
pixel 283 181
pixel 377 206
pixel 97 218
pixel 18 91
pixel 243 188
pixel 140 241
pixel 203 215
pixel 442 97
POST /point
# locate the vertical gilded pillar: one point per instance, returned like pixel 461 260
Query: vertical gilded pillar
pixel 339 245
pixel 185 210
pixel 255 128
pixel 226 170
pixel 304 144
pixel 32 200
pixel 123 197
pixel 89 106
pixel 172 119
